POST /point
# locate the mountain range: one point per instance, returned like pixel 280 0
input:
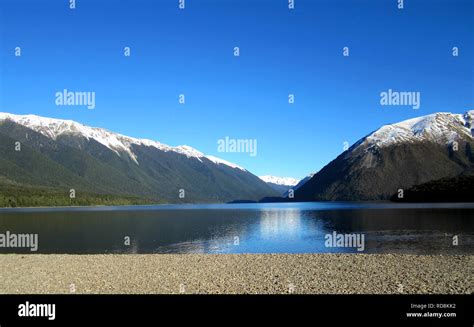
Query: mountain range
pixel 395 158
pixel 40 156
pixel 62 155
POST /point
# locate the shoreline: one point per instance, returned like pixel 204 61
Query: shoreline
pixel 390 204
pixel 236 274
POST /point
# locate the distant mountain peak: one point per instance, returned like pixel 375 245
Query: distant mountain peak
pixel 287 181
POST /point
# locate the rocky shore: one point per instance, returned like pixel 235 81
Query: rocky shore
pixel 236 274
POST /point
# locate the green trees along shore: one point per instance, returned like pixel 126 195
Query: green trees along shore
pixel 26 196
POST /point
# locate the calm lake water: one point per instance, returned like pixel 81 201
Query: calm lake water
pixel 245 228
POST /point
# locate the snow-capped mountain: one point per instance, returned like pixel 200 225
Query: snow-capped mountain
pixel 441 128
pixel 53 128
pixel 287 181
pixel 279 184
pixel 396 157
pixel 66 154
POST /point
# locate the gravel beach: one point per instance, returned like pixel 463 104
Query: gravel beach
pixel 236 274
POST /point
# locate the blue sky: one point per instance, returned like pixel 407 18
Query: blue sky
pixel 282 51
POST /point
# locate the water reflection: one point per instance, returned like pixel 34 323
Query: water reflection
pixel 276 228
pixel 281 223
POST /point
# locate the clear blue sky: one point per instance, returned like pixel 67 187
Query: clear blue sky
pixel 191 52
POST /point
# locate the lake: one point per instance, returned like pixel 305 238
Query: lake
pixel 247 228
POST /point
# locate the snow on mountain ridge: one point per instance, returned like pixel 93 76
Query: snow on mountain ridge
pixel 224 162
pixel 287 181
pixel 52 128
pixel 442 128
